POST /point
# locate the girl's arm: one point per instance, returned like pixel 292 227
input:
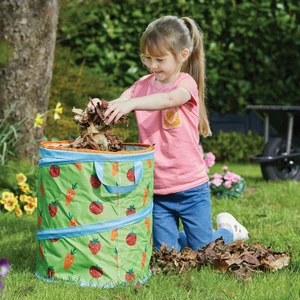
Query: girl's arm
pixel 96 100
pixel 157 101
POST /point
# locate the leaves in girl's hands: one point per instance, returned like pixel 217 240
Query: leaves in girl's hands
pixel 94 131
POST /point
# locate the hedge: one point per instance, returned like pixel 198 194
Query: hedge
pixel 252 47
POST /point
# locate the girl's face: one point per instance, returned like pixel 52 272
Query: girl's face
pixel 165 68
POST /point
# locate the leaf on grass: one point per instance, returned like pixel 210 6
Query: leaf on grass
pixel 237 259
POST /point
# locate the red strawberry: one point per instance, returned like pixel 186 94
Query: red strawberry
pixel 53 208
pixel 130 175
pixel 96 271
pixel 130 210
pixel 96 207
pixel 50 272
pixel 94 246
pixel 95 182
pixel 131 239
pixel 129 276
pixel 54 240
pixel 54 171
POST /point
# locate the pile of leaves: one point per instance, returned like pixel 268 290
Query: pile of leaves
pixel 237 259
pixel 94 133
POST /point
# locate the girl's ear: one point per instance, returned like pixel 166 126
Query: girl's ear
pixel 185 54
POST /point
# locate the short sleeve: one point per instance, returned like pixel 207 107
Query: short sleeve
pixel 190 84
pixel 129 92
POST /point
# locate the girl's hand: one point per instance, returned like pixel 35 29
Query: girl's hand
pixel 116 109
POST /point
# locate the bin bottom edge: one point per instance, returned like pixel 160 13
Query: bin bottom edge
pixel 85 283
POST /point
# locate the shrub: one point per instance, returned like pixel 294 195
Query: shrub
pixel 72 86
pixel 233 146
pixel 252 48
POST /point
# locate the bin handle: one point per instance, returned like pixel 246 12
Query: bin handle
pixel 117 189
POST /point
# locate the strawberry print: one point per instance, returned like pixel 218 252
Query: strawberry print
pixel 96 271
pixel 50 272
pixel 130 210
pixel 96 207
pixel 94 181
pixel 129 276
pixel 131 239
pixel 53 208
pixel 94 246
pixel 130 175
pixel 54 171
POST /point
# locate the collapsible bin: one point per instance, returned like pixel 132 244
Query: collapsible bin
pixel 94 214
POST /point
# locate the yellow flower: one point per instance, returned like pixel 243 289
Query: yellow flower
pixel 58 111
pixel 23 198
pixel 38 120
pixel 32 201
pixel 7 196
pixel 25 188
pixel 21 178
pixel 18 211
pixel 11 204
pixel 29 208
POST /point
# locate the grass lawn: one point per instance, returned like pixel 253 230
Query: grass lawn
pixel 269 210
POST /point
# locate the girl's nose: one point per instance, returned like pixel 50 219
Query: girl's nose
pixel 154 65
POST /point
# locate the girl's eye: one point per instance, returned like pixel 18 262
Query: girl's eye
pixel 159 60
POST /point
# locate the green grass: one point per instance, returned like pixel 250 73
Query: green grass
pixel 269 210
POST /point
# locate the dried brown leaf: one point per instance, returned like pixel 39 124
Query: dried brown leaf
pixel 94 131
pixel 238 259
pixel 281 262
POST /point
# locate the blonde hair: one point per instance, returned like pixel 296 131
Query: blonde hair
pixel 173 34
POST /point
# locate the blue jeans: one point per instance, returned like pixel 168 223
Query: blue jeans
pixel 193 208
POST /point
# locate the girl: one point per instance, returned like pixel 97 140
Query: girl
pixel 170 111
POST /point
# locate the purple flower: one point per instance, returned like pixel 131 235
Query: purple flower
pixel 4 267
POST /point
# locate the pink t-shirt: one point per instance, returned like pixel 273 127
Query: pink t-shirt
pixel 178 161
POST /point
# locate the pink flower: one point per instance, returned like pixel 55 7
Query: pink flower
pixel 225 168
pixel 217 181
pixel 228 184
pixel 236 178
pixel 217 176
pixel 229 176
pixel 209 159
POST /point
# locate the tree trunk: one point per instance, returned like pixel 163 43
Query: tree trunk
pixel 28 33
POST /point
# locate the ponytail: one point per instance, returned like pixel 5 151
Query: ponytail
pixel 195 66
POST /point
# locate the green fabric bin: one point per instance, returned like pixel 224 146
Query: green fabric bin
pixel 94 214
